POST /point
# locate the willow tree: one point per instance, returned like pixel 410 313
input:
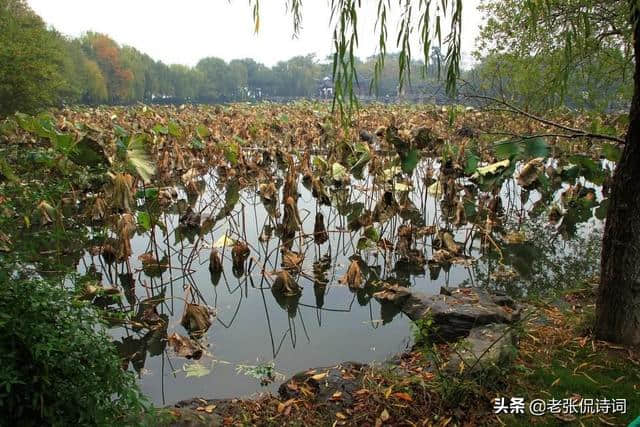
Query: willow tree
pixel 569 24
pixel 618 305
pixel 597 32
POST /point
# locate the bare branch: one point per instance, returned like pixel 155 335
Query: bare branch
pixel 574 133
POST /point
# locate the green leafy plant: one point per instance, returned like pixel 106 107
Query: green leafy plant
pixel 264 372
pixel 58 368
pixel 422 331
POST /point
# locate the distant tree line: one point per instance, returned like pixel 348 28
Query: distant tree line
pixel 40 67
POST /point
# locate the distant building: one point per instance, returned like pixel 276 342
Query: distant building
pixel 325 88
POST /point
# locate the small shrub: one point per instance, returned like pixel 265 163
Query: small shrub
pixel 422 331
pixel 58 364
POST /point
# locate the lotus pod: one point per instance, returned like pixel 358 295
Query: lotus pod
pixel 285 284
pixel 422 137
pixel 196 319
pixel 320 235
pixel 441 256
pixel 215 263
pixel 353 277
pixel 555 214
pixel 495 206
pixel 5 242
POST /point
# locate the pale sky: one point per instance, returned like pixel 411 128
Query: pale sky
pixel 185 31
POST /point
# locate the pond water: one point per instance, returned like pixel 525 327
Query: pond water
pixel 252 325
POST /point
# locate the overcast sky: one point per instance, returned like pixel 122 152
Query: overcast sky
pixel 185 31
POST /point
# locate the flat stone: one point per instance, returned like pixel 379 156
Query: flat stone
pixel 453 314
pixel 486 347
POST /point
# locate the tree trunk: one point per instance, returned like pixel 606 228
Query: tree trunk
pixel 618 306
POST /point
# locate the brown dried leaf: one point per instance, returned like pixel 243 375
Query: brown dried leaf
pixel 184 346
pixel 284 283
pixel 196 319
pixel 403 396
pixel 215 263
pixel 319 377
pixel 353 277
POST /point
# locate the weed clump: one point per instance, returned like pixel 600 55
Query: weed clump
pixel 58 368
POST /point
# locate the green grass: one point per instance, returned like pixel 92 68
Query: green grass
pixel 573 366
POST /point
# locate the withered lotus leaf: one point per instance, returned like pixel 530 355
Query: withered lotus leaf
pixel 353 277
pixel 196 319
pixel 285 284
pixel 530 173
pixel 291 260
pixel 125 230
pixel 320 235
pixel 239 253
pixel 215 263
pixel 185 346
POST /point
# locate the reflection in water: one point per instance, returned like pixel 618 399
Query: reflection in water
pixel 222 245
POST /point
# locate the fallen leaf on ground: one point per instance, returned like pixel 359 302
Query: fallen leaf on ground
pixel 319 377
pixel 403 396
